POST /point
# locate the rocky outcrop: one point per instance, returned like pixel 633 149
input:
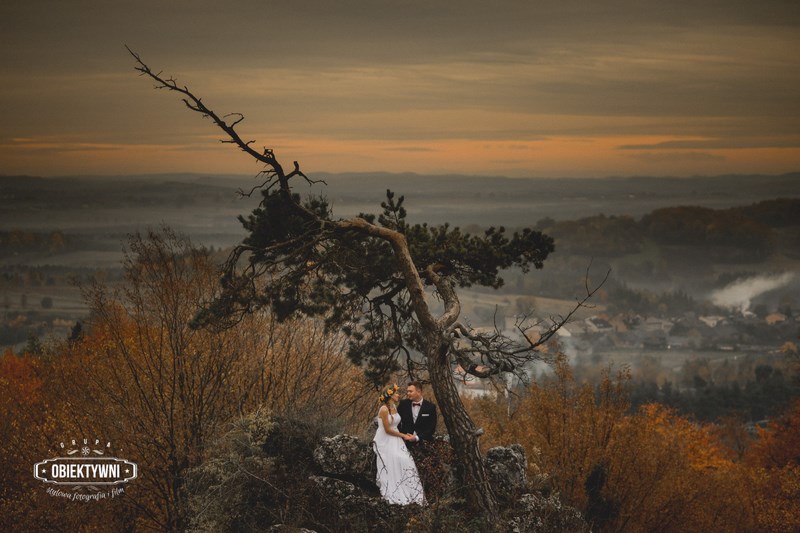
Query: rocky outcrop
pixel 346 457
pixel 508 471
pixel 335 489
pixel 346 489
pixel 356 511
pixel 281 528
pixel 533 513
pixel 281 474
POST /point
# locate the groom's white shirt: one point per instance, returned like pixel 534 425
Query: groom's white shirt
pixel 415 413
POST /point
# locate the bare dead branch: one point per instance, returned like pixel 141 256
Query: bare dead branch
pixel 241 118
pixel 489 353
pixel 196 104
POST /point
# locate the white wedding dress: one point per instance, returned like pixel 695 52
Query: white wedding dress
pixel 398 479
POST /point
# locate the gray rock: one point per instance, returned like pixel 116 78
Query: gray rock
pixel 508 471
pixel 282 528
pixel 345 455
pixel 355 511
pixel 536 514
pixel 335 489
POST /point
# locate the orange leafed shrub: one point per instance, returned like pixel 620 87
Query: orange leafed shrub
pixel 19 376
pixel 668 474
pixel 778 444
pixel 648 471
pixel 774 461
pixel 569 424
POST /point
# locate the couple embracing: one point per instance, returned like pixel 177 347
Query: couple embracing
pixel 403 425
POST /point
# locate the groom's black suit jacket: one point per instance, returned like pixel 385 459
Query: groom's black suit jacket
pixel 425 425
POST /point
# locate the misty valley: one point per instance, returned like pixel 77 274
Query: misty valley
pixel 702 301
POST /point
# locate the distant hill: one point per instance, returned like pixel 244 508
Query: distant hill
pixel 458 199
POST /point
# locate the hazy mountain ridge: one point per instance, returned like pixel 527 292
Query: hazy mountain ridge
pixel 457 199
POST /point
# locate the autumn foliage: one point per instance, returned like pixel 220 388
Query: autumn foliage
pixel 161 391
pixel 166 394
pixel 650 470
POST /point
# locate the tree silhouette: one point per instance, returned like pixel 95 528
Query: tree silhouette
pixel 377 279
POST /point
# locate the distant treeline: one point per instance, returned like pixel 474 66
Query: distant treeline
pixel 106 192
pixel 764 395
pixel 738 233
pixel 19 241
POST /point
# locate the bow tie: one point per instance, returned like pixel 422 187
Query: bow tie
pixel 416 404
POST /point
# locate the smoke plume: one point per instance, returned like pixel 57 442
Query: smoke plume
pixel 739 294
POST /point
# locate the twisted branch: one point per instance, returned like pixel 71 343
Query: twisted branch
pixel 483 354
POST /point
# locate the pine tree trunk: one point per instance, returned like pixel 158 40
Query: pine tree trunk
pixel 472 473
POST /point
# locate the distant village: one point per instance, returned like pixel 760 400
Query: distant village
pixel 733 332
pixel 629 338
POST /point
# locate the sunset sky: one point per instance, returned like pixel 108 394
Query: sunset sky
pixel 520 88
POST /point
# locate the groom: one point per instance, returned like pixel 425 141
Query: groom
pixel 417 416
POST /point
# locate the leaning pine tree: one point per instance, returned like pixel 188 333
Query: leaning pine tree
pixel 372 278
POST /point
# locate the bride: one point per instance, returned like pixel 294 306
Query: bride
pixel 398 479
